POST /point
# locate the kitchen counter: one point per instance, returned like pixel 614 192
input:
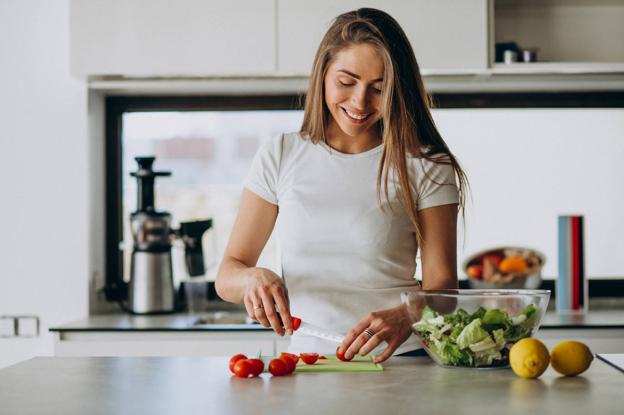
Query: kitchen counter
pixel 221 332
pixel 408 385
pixel 595 319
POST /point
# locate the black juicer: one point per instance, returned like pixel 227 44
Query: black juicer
pixel 151 289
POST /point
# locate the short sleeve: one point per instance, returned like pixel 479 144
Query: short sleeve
pixel 436 183
pixel 263 175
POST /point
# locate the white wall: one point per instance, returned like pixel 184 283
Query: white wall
pixel 43 173
pixel 526 166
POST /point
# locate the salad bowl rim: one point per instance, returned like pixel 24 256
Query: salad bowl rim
pixel 471 292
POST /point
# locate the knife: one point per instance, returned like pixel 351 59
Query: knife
pixel 301 326
pixel 316 331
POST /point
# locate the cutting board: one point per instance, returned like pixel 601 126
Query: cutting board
pixel 333 364
pixel 615 360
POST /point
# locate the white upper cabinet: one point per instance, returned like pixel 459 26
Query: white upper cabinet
pixel 154 38
pixel 448 36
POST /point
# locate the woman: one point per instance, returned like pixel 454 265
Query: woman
pixel 365 183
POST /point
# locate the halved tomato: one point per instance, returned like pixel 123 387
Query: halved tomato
pixel 309 358
pixel 291 355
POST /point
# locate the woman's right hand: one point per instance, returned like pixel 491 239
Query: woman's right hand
pixel 265 296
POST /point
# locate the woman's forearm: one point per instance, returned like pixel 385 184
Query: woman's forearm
pixel 232 280
pixel 442 282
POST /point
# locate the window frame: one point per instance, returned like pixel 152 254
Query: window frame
pixel 117 105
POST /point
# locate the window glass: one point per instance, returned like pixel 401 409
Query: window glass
pixel 209 154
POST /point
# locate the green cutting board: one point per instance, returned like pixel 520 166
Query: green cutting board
pixel 333 364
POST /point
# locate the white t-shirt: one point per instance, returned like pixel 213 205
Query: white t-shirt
pixel 342 257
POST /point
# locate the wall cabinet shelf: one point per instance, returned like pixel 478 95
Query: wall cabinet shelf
pixel 557 67
pixel 569 36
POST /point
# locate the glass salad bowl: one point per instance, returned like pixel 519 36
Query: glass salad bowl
pixel 474 328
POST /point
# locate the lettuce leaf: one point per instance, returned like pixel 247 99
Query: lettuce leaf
pixel 472 333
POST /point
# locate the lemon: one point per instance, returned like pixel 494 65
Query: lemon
pixel 529 358
pixel 571 358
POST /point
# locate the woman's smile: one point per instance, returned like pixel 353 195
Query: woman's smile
pixel 354 116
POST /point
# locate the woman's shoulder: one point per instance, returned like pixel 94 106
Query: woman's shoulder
pixel 431 166
pixel 428 159
pixel 285 140
pixel 284 148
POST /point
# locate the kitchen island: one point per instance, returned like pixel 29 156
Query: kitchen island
pixel 194 385
pixel 218 333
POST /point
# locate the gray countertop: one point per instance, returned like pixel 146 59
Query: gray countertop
pixel 408 385
pixel 595 319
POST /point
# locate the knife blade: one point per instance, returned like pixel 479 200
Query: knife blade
pixel 316 331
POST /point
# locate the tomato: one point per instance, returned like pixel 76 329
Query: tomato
pixel 291 364
pixel 322 357
pixel 235 359
pixel 243 368
pixel 278 367
pixel 296 322
pixel 341 355
pixel 475 271
pixel 291 355
pixel 309 358
pixel 257 366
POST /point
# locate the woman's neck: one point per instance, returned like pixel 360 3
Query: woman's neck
pixel 338 140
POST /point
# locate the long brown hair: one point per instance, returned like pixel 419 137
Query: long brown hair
pixel 407 127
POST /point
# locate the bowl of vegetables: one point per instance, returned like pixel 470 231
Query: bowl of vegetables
pixel 474 328
pixel 505 267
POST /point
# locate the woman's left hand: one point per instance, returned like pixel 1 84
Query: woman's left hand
pixel 391 325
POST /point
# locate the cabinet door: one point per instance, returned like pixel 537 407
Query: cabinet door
pixel 166 343
pixel 164 38
pixel 447 35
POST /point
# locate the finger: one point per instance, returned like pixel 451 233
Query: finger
pixel 271 313
pixel 281 300
pixel 353 334
pixel 249 307
pixel 259 310
pixel 358 343
pixel 385 354
pixel 370 345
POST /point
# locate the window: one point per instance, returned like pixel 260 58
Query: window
pixel 208 143
pixel 209 153
pixel 208 149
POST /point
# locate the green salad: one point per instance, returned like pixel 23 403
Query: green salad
pixel 482 338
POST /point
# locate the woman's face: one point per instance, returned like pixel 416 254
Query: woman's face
pixel 353 86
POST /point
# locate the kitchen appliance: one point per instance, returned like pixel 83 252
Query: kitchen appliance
pixel 151 288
